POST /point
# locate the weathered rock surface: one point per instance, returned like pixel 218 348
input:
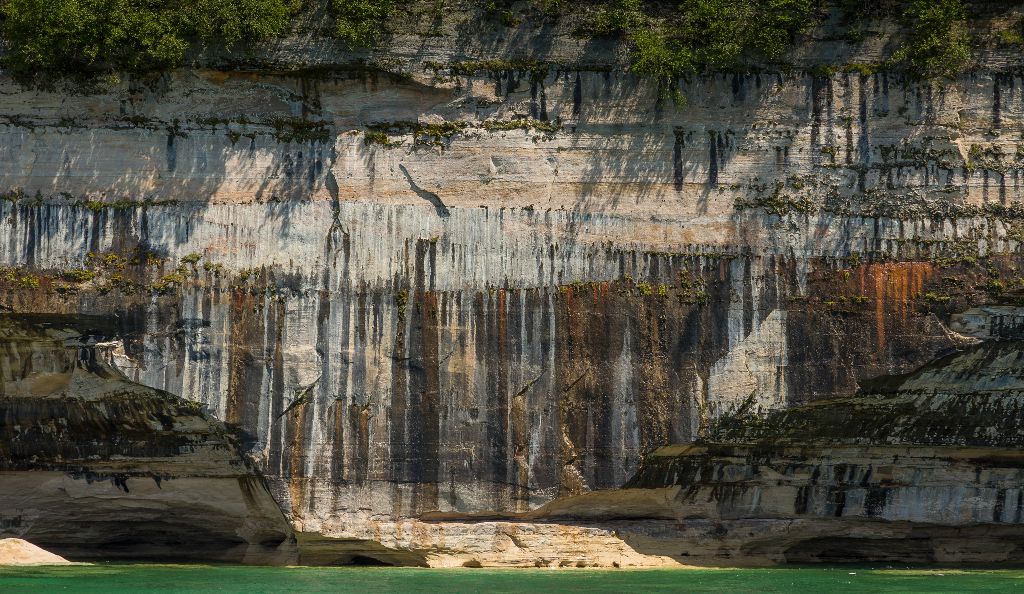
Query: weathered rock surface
pixel 485 315
pixel 924 467
pixel 920 468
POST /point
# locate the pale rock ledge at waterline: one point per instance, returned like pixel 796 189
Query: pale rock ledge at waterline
pixel 15 551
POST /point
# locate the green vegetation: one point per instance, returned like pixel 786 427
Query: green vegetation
pixel 723 35
pixel 703 35
pixel 991 158
pixel 662 60
pixel 360 23
pixel 377 137
pixel 20 277
pixel 170 281
pixel 508 18
pixel 785 199
pixel 299 130
pixel 620 16
pixel 547 127
pixel 1012 35
pixel 78 275
pixel 427 134
pixel 191 259
pixel 128 273
pixel 863 69
pixel 668 40
pixel 401 304
pixel 438 134
pixel 13 196
pixel 122 204
pixel 933 297
pixel 71 36
pixel 536 68
pixel 216 268
pixel 938 43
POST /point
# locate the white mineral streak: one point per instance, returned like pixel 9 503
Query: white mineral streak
pixel 753 373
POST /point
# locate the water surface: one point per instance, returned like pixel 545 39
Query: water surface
pixel 114 578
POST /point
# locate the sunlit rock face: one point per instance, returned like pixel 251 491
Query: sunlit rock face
pixel 484 316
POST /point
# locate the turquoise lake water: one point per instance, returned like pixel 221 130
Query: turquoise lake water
pixel 115 578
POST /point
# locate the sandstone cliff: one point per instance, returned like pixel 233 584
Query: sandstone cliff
pixel 484 267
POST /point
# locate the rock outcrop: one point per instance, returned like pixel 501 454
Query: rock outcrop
pixel 922 468
pixel 93 465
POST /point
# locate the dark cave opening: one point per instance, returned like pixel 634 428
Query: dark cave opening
pixel 364 561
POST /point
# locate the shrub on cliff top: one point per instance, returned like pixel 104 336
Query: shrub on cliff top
pixel 91 35
pixel 938 44
pixel 722 32
pixel 360 23
pixel 662 60
pixel 936 41
pixel 619 16
pixel 713 35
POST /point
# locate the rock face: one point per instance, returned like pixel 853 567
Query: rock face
pixel 923 468
pixel 475 286
pixel 92 464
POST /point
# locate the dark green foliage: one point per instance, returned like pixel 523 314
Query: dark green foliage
pixel 718 35
pixel 69 34
pixel 1012 35
pixel 661 59
pixel 427 134
pixel 669 40
pixel 937 41
pixel 299 130
pixel 938 44
pixel 853 10
pixel 231 21
pixel 721 32
pixel 709 34
pixel 619 16
pixel 535 68
pixel 95 35
pixel 360 23
pixel 508 19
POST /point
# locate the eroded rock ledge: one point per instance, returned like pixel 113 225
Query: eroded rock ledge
pixel 93 465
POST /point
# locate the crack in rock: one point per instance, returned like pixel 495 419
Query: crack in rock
pixel 442 210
